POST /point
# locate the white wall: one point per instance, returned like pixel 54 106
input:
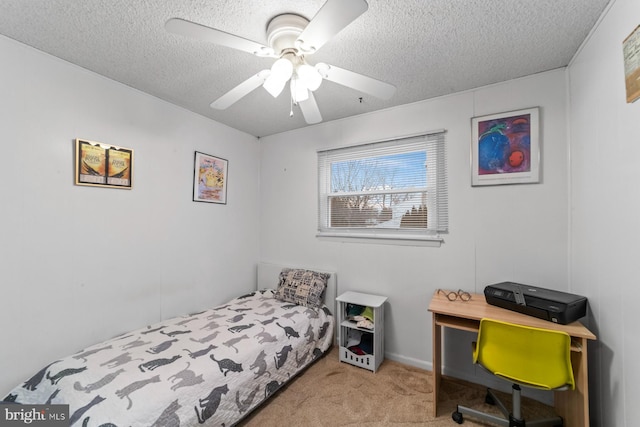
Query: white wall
pixel 499 233
pixel 81 264
pixel 605 207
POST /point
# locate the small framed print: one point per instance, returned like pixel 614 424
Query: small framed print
pixel 103 165
pixel 631 52
pixel 505 148
pixel 210 179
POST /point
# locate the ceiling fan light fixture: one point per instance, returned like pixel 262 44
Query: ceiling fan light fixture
pixel 290 37
pixel 282 69
pixel 274 85
pixel 309 76
pixel 299 91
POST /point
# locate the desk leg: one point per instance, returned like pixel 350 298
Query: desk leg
pixel 573 406
pixel 436 362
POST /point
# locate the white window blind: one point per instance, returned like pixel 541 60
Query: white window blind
pixel 391 189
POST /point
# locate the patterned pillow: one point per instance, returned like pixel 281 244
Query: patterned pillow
pixel 302 287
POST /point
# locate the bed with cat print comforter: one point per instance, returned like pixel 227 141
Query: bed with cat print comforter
pixel 210 368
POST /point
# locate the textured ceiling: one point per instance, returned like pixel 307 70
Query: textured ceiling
pixel 424 48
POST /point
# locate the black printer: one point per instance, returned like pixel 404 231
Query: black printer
pixel 547 304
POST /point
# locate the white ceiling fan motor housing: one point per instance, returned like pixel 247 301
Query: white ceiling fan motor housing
pixel 283 31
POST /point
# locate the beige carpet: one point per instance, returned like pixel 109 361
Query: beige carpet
pixel 331 393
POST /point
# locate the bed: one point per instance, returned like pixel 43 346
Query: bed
pixel 210 368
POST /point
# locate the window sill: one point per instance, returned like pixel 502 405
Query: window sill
pixel 398 240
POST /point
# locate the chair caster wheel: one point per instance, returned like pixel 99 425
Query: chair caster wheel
pixel 488 399
pixel 457 417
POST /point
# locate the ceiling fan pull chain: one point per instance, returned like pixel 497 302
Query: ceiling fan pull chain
pixel 291 106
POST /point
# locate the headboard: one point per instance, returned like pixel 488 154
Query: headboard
pixel 268 275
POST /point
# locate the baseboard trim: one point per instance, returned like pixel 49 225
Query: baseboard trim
pixel 417 363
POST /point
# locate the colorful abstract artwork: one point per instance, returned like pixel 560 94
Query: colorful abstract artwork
pixel 505 148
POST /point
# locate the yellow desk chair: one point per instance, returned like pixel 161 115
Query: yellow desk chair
pixel 523 355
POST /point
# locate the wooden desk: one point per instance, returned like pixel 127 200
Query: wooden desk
pixel 572 406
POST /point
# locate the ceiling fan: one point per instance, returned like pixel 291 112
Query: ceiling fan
pixel 291 39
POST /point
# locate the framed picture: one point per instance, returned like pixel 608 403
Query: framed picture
pixel 631 52
pixel 103 165
pixel 505 148
pixel 210 179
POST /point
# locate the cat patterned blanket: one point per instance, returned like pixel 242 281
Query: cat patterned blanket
pixel 208 368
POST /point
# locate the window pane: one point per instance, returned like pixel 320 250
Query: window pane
pixel 394 171
pixel 394 210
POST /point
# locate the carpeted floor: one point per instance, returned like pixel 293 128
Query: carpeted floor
pixel 330 393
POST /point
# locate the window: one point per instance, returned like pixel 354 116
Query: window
pixel 395 189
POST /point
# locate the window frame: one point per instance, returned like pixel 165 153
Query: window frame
pixel 436 188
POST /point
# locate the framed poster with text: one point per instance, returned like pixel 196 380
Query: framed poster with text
pixel 631 52
pixel 103 165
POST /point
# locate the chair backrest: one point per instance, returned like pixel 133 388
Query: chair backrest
pixel 533 357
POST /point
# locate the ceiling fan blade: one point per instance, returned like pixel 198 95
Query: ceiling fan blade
pixel 310 110
pixel 190 29
pixel 243 89
pixel 332 17
pixel 356 81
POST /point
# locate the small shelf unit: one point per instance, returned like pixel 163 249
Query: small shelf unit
pixel 376 335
